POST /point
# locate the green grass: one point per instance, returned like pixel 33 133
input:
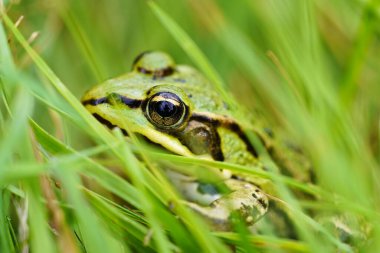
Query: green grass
pixel 308 69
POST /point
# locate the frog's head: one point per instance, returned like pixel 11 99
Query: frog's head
pixel 170 105
pixel 146 101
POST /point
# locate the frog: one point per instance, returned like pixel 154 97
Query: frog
pixel 176 107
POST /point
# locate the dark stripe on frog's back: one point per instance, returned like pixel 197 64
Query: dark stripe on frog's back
pixel 130 102
pixel 216 149
pixel 231 125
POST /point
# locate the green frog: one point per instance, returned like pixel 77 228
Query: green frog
pixel 176 107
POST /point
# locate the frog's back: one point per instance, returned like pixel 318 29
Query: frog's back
pixel 198 89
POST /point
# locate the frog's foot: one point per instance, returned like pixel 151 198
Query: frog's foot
pixel 245 200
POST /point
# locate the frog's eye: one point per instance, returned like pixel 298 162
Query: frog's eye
pixel 166 110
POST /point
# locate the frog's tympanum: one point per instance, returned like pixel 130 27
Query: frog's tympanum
pixel 177 108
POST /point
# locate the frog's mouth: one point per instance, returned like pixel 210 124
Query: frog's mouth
pixel 108 123
pixel 164 141
pixel 154 145
pixel 153 137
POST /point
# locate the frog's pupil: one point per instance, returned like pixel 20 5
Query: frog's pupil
pixel 165 108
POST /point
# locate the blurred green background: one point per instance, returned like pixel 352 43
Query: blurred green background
pixel 308 69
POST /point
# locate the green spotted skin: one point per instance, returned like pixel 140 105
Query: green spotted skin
pixel 177 108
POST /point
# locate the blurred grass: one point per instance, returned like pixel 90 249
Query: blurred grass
pixel 309 69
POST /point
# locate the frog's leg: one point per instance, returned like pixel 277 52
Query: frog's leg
pixel 246 199
pixel 217 208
